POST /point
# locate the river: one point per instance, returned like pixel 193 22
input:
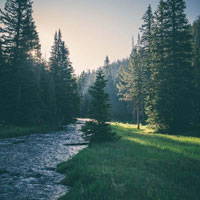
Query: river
pixel 28 164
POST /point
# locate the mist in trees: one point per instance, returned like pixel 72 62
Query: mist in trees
pixel 119 110
pixel 159 83
pixel 131 83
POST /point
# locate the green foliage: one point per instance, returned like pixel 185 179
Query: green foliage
pixel 66 100
pixel 147 56
pixel 147 45
pixel 99 130
pixel 21 52
pixel 131 83
pixel 20 38
pixel 134 82
pixel 172 71
pixel 196 65
pixel 141 166
pixel 99 104
pixel 119 110
pixel 31 94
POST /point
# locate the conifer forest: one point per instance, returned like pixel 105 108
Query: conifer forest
pixel 134 121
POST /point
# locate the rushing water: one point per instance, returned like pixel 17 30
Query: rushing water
pixel 27 164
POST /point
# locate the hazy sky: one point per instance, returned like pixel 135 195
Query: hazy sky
pixel 93 29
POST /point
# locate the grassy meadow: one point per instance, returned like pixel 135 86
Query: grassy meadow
pixel 141 166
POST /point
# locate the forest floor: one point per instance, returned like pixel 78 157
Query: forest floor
pixel 14 131
pixel 142 165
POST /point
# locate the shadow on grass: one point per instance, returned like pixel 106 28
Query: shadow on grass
pixel 139 166
pixel 188 146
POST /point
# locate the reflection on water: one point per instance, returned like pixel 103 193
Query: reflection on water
pixel 27 164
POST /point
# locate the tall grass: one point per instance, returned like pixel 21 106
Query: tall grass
pixel 141 166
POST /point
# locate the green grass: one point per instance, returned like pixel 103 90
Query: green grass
pixel 140 166
pixel 12 131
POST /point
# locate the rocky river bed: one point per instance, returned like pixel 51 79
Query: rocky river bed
pixel 28 164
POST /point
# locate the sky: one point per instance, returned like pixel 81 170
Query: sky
pixel 93 29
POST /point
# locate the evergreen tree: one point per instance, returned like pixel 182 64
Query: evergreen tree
pixel 196 65
pixel 83 86
pixel 45 93
pixel 21 47
pixel 158 60
pixel 119 110
pixel 19 31
pixel 65 87
pixel 147 30
pixel 172 107
pixel 147 50
pixel 147 41
pixel 138 87
pixel 99 130
pixel 107 61
pixel 131 83
pixel 99 104
pixel 110 86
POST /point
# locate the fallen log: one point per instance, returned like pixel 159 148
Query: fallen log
pixel 77 144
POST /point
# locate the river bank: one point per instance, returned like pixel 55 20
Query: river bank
pixel 140 166
pixel 28 164
pixel 14 131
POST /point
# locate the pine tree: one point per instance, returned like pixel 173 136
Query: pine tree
pixel 65 87
pixel 147 39
pixel 138 87
pixel 172 76
pixel 131 83
pixel 20 35
pixel 83 94
pixel 147 28
pixel 99 104
pixel 147 50
pixel 158 61
pixel 107 61
pixel 124 84
pixel 110 86
pixel 21 48
pixel 196 65
pixel 99 130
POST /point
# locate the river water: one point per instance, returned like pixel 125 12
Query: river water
pixel 28 163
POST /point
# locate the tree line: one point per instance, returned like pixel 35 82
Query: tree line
pixel 160 83
pixel 164 69
pixel 119 110
pixel 32 90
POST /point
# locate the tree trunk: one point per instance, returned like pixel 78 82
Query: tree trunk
pixel 138 117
